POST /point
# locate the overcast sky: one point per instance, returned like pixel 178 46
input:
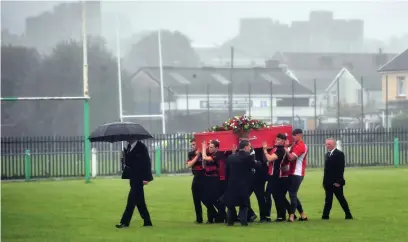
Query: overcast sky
pixel 215 21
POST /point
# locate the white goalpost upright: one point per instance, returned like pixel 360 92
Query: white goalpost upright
pixel 162 106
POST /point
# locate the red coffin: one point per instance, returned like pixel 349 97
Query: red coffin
pixel 258 137
pixel 227 138
pixel 268 135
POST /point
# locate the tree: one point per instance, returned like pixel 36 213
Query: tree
pixel 176 49
pixel 61 74
pixel 17 64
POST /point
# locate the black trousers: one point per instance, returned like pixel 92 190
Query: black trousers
pixel 135 198
pixel 328 201
pixel 209 196
pixel 293 188
pixel 258 187
pixel 196 189
pixel 222 214
pixel 242 216
pixel 277 188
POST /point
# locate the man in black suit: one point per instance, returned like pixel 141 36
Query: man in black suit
pixel 238 174
pixel 138 169
pixel 333 179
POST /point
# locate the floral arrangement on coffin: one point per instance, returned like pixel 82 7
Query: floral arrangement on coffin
pixel 240 125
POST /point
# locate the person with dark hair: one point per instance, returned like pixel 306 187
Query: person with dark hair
pixel 296 156
pixel 211 157
pixel 138 169
pixel 238 171
pixel 195 163
pixel 221 158
pixel 275 186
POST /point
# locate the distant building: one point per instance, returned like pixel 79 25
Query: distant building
pixel 63 23
pixel 261 37
pixel 323 33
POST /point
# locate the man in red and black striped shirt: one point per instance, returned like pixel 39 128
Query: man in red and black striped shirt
pixel 211 190
pixel 195 163
pixel 277 172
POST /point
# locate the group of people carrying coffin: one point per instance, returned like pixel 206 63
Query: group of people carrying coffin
pixel 224 180
pixel 227 179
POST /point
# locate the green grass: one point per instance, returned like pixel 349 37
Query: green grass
pixel 75 211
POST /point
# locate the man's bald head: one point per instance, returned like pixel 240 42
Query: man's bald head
pixel 330 144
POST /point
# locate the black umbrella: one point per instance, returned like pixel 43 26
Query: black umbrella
pixel 115 132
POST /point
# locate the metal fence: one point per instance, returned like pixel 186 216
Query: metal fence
pixel 63 156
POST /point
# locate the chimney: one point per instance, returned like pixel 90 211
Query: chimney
pixel 380 58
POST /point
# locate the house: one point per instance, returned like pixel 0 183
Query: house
pixel 199 97
pixel 355 89
pixel 356 73
pixel 394 84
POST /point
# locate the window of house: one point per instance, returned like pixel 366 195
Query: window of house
pixel 401 86
pixel 264 104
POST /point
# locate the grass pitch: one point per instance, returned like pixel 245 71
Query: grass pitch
pixel 75 211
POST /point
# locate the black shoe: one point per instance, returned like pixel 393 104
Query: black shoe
pixel 198 221
pixel 147 224
pixel 349 217
pixel 325 217
pixel 279 220
pixel 252 218
pixel 121 226
pixel 265 220
pixel 303 219
pixel 244 224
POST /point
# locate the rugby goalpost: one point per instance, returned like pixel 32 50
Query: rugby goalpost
pixel 120 96
pixel 121 116
pixel 85 98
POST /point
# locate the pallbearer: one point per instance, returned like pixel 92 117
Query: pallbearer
pixel 211 157
pixel 195 163
pixel 238 171
pixel 297 155
pixel 221 158
pixel 277 173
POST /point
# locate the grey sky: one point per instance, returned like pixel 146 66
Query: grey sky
pixel 215 21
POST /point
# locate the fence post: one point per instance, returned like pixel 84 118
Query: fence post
pixel 339 145
pixel 27 162
pixel 396 152
pixel 94 161
pixel 157 160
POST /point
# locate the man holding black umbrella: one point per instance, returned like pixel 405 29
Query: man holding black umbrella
pixel 136 164
pixel 137 168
